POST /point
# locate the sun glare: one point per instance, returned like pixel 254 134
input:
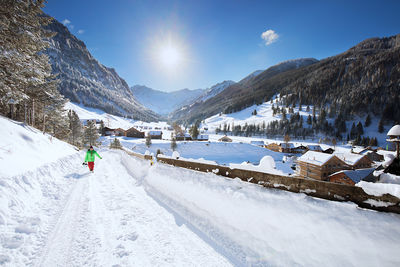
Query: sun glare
pixel 170 56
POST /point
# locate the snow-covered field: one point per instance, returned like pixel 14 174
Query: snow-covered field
pixel 129 213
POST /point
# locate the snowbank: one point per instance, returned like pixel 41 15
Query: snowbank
pixel 267 165
pixel 379 189
pixel 23 148
pixel 255 226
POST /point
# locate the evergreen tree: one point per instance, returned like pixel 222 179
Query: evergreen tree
pixel 75 128
pixel 367 121
pixel 194 130
pixel 25 73
pixel 90 134
pixel 173 144
pixel 148 140
pixel 101 128
pixel 115 144
pixel 360 130
pixel 309 121
pixel 380 126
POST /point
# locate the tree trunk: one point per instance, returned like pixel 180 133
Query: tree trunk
pixel 33 113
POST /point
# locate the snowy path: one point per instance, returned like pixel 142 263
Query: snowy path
pixel 108 220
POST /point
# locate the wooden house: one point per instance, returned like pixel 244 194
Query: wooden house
pixel 155 134
pixel 202 137
pixel 273 146
pixel 351 177
pixel 183 137
pixel 355 161
pixel 318 165
pixel 300 149
pixel 133 132
pixel 314 148
pixel 372 155
pixel 108 131
pixel 119 132
pixel 329 150
pixel 225 139
pixel 287 148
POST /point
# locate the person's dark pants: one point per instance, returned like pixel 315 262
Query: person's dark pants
pixel 91 165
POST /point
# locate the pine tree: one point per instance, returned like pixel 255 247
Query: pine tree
pixel 380 126
pixel 367 121
pixel 173 144
pixel 360 129
pixel 116 144
pixel 309 121
pixel 25 73
pixel 148 140
pixel 194 130
pixel 90 134
pixel 75 128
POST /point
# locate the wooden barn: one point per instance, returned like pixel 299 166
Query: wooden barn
pixel 119 132
pixel 355 161
pixel 274 147
pixel 351 177
pixel 317 148
pixel 108 131
pixel 133 132
pixel 183 137
pixel 202 137
pixel 287 148
pixel 319 165
pixel 225 139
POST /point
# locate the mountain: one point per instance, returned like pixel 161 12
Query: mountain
pixel 214 90
pixel 164 102
pixel 86 81
pixel 235 96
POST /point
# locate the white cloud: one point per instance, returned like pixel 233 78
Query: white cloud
pixel 269 36
pixel 81 31
pixel 66 22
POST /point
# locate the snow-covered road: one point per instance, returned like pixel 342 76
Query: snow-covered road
pixel 108 220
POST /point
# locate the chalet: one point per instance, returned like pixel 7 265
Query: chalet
pixel 319 165
pixel 119 132
pixel 352 177
pixel 286 148
pixel 108 131
pixel 257 143
pixel 155 134
pixel 183 137
pixel 314 148
pixel 354 161
pixel 300 149
pixel 372 155
pixel 274 147
pixel 133 132
pixel 225 139
pixel 202 137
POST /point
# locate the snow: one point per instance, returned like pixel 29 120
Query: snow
pixel 129 213
pixel 175 155
pixel 394 131
pixel 23 148
pixel 349 158
pixel 316 158
pixel 389 178
pixel 379 189
pixel 267 165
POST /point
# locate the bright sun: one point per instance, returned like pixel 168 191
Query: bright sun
pixel 170 56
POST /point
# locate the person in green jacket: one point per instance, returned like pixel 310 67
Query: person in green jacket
pixel 90 155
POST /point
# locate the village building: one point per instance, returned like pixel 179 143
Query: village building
pixel 329 150
pixel 108 131
pixel 274 147
pixel 317 148
pixel 351 177
pixel 300 149
pixel 225 139
pixel 155 134
pixel 354 161
pixel 133 132
pixel 202 137
pixel 317 165
pixel 183 137
pixel 286 148
pixel 119 132
pixel 394 137
pixel 372 155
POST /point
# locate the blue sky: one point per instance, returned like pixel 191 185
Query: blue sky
pixel 217 40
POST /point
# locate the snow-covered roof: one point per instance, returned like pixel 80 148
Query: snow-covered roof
pixel 183 135
pixel 394 131
pixel 349 158
pixel 314 147
pixel 356 175
pixel 202 136
pixel 316 158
